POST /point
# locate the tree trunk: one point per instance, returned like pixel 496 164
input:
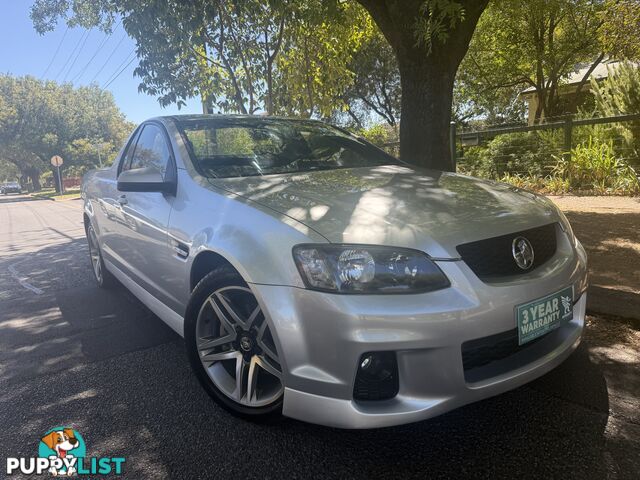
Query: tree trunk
pixel 427 73
pixel 34 175
pixel 427 95
pixel 269 99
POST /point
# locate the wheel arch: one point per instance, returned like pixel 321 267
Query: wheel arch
pixel 205 262
pixel 86 220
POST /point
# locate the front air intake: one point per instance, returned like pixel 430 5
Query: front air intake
pixel 493 257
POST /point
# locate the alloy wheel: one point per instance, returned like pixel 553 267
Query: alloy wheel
pixel 236 347
pixel 94 253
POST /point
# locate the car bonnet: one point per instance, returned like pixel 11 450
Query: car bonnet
pixel 395 205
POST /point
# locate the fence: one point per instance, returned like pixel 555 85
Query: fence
pixel 545 150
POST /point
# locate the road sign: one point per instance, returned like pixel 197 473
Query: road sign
pixel 56 161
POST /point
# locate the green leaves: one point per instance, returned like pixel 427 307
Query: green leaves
pixel 620 27
pixel 438 18
pixel 619 94
pixel 314 68
pixel 528 43
pixel 41 119
pixel 249 56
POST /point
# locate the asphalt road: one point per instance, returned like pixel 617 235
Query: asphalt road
pixel 71 354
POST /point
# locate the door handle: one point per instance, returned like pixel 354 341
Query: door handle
pixel 122 200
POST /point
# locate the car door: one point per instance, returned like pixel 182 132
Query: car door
pixel 141 243
pixel 106 209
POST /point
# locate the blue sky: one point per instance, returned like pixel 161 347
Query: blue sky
pixel 24 52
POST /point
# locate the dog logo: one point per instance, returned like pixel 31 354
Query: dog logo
pixel 567 304
pixel 63 453
pixel 65 444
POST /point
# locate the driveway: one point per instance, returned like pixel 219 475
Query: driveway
pixel 71 354
pixel 609 228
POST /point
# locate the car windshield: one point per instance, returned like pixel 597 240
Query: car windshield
pixel 249 147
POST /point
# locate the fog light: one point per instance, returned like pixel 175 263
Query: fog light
pixel 377 377
pixel 366 362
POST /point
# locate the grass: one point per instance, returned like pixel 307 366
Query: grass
pixel 69 194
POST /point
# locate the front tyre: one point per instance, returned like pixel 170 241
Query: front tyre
pixel 103 277
pixel 231 348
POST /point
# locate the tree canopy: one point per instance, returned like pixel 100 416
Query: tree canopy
pixel 297 58
pixel 620 27
pixel 537 44
pixel 40 119
pixel 278 57
pixel 529 43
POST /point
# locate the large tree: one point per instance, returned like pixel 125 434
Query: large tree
pixel 430 38
pixel 40 119
pixel 530 43
pixel 249 56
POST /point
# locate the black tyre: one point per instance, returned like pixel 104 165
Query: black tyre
pixel 103 277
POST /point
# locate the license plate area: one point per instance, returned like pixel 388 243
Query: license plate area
pixel 540 316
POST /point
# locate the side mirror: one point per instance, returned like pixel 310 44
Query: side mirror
pixel 147 179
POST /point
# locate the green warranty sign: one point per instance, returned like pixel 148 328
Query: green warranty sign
pixel 544 314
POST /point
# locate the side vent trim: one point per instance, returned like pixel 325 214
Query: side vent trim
pixel 181 250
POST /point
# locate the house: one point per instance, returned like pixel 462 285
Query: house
pixel 567 91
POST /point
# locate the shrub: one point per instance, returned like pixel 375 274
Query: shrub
pixel 380 134
pixel 526 182
pixel 529 153
pixel 556 185
pixel 620 94
pixel 594 166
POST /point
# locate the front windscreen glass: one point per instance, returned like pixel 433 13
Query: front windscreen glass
pixel 248 147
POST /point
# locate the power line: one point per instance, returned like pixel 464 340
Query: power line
pixel 55 54
pixel 123 68
pixel 102 44
pixel 120 72
pixel 78 54
pixel 124 34
pixel 110 77
pixel 71 54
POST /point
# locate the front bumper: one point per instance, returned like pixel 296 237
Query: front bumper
pixel 321 336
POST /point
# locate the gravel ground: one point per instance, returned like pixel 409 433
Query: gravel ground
pixel 609 228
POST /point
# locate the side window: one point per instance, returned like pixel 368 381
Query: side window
pixel 151 149
pixel 125 163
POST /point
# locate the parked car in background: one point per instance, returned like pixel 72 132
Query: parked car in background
pixel 313 275
pixel 11 187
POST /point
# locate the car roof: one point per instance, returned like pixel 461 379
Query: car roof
pixel 227 117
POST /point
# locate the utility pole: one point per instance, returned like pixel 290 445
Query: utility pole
pixel 99 148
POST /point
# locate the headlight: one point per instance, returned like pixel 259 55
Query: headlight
pixel 367 269
pixel 566 226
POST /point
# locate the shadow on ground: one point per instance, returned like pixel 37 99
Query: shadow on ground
pixel 72 322
pixel 150 409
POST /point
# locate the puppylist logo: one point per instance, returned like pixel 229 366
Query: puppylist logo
pixel 62 452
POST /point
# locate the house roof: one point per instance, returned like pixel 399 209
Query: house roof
pixel 601 71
